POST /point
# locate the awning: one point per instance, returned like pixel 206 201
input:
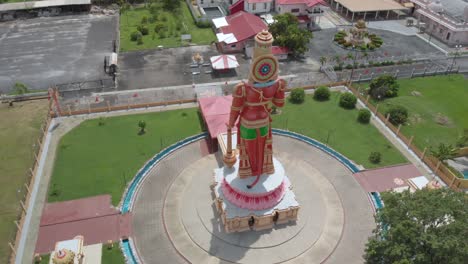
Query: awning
pixel 224 62
pixel 220 22
pixel 226 38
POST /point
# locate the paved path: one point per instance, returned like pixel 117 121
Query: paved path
pixel 149 223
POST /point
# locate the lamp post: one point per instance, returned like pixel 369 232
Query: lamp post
pixel 457 49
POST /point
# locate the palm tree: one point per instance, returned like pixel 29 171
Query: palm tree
pixel 142 126
pixel 323 60
pixel 444 152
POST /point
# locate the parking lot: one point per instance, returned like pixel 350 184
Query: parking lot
pixel 41 52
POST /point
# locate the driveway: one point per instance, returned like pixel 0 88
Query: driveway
pixel 44 51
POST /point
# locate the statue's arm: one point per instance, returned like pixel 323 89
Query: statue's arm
pixel 238 97
pixel 278 99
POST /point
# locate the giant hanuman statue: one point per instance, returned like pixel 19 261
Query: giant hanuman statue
pixel 251 109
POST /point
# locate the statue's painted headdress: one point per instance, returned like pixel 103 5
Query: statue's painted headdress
pixel 264 67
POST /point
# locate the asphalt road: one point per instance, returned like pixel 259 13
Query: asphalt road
pixel 44 51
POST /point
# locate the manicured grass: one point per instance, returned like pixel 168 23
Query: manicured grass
pixel 130 19
pixel 95 159
pixel 19 132
pixel 440 97
pixel 337 127
pixel 113 255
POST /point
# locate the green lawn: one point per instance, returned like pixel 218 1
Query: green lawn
pixel 331 124
pixel 130 19
pixel 94 159
pixel 442 99
pixel 113 255
pixel 19 132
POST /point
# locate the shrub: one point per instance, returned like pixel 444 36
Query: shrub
pixel 159 27
pixel 162 35
pixel 349 66
pixel 384 86
pixel 135 36
pixel 152 19
pixel 371 46
pixel 297 96
pixel 348 100
pixel 140 41
pixel 163 18
pixel 375 157
pixel 144 20
pixel 364 116
pixel 203 24
pixel 337 68
pixel 347 44
pixel 363 47
pixel 398 114
pixel 143 29
pixel 322 93
pixel 178 27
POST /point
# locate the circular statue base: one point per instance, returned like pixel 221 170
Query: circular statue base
pixel 175 219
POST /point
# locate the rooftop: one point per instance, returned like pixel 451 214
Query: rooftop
pixel 370 5
pixel 41 4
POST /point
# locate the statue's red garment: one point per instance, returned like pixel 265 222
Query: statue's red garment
pixel 252 107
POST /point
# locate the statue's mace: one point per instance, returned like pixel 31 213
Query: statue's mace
pixel 229 158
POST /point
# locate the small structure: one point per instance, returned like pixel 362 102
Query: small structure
pixel 68 252
pixel 223 63
pixel 308 12
pixel 235 31
pixel 215 112
pixel 186 37
pixel 281 53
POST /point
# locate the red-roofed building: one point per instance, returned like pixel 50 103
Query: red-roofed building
pixel 235 31
pixel 236 7
pixel 307 11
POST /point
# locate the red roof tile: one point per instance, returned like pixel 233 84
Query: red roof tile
pixel 236 7
pixel 243 25
pixel 279 50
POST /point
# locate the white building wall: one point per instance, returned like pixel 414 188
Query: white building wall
pixel 281 9
pixel 259 7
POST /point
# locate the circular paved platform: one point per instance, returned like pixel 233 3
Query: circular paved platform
pixel 335 218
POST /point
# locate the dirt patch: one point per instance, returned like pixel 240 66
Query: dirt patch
pixel 443 120
pixel 415 119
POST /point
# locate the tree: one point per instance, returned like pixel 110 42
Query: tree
pixel 171 5
pixel 322 60
pixel 398 114
pixel 297 96
pixel 443 152
pixel 287 33
pixel 384 86
pixel 20 88
pixel 322 93
pixel 424 227
pixel 348 100
pixel 142 126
